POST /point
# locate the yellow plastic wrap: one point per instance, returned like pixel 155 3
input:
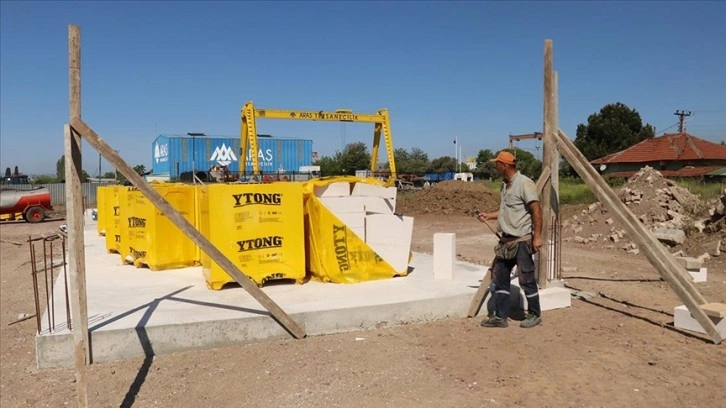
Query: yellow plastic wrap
pixel 132 226
pixel 112 213
pixel 154 240
pixel 102 214
pixel 259 227
pixel 335 253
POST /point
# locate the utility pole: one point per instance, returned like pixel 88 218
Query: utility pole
pixel 682 119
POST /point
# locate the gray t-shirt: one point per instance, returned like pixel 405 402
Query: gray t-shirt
pixel 514 216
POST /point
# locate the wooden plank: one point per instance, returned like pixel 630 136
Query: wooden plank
pixel 74 220
pixel 547 145
pixel 661 259
pixel 187 228
pixel 543 179
pixel 480 294
pixel 717 310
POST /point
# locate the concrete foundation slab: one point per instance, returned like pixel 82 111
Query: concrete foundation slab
pixel 135 312
pixel 682 319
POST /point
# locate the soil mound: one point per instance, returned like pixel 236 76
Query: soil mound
pixel 450 197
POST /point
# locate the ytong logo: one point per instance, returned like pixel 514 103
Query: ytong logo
pixel 274 241
pixel 161 152
pixel 241 200
pixel 136 254
pixel 136 222
pixel 224 155
pixel 340 243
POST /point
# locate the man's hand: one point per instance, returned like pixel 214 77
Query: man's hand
pixel 482 216
pixel 536 243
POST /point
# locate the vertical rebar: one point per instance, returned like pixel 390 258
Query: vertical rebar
pixel 33 272
pixel 65 284
pixel 51 305
pixel 45 272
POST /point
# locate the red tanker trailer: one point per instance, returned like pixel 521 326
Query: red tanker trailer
pixel 31 205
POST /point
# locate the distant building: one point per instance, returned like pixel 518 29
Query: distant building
pixel 674 155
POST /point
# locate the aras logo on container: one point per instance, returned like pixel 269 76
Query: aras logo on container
pixel 161 152
pixel 224 155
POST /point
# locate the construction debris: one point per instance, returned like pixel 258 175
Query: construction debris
pixel 676 217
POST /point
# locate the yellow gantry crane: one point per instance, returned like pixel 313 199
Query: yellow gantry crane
pixel 380 120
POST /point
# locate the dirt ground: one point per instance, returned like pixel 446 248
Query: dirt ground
pixel 616 349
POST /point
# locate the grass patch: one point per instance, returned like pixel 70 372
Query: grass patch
pixel 705 189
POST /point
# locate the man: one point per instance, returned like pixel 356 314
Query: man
pixel 520 224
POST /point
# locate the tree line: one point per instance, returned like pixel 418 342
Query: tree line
pixel 614 128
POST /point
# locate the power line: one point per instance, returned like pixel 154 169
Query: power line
pixel 682 119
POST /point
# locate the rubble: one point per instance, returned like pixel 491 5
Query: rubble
pixel 672 213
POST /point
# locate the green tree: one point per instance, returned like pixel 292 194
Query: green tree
pixel 616 127
pixel 355 156
pixel 416 161
pixel 483 166
pixel 527 164
pixel 140 169
pixel 442 164
pixel 44 179
pixel 60 168
pixel 109 175
pixel 329 166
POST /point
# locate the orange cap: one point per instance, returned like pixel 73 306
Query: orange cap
pixel 505 157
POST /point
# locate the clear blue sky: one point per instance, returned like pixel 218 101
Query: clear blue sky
pixel 472 70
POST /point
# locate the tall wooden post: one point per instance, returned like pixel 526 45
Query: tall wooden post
pixel 555 199
pixel 547 153
pixel 74 219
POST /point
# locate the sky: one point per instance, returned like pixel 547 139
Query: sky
pixel 470 71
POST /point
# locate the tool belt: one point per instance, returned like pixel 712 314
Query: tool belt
pixel 509 245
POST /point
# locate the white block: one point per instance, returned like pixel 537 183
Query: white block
pixel 444 255
pixel 339 189
pixel 390 237
pixel 379 205
pixel 355 222
pixel 339 205
pixel 555 298
pixel 682 319
pixel 372 190
pixel 699 275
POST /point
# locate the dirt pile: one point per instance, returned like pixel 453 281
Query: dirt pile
pixel 675 215
pixel 451 197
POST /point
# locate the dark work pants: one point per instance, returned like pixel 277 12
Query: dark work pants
pixel 500 273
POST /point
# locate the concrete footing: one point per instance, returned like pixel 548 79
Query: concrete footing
pixel 699 275
pixel 682 319
pixel 135 312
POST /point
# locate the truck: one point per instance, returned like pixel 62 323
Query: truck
pixel 29 205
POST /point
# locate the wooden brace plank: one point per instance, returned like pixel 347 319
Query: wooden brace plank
pixel 187 228
pixel 717 310
pixel 480 294
pixel 661 259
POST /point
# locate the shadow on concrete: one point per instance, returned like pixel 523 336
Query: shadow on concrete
pixel 612 280
pixel 668 326
pixel 622 302
pixel 220 306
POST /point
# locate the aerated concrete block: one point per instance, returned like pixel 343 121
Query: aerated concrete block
pixel 689 262
pixel 699 275
pixel 444 255
pixel 682 319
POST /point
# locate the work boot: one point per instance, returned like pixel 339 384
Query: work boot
pixel 530 321
pixel 495 321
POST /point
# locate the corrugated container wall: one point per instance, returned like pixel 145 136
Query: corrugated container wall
pixel 172 155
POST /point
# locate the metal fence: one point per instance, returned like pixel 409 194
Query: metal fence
pixel 58 191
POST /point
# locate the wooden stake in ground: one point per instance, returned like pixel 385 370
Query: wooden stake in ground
pixel 658 256
pixel 547 152
pixel 74 219
pixel 187 228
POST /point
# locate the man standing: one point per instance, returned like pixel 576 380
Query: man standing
pixel 520 224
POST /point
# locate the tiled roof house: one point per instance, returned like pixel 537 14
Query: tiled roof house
pixel 674 155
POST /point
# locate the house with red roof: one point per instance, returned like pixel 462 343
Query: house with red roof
pixel 674 155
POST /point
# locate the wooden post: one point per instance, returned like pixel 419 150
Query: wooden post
pixel 547 147
pixel 554 268
pixel 658 256
pixel 74 220
pixel 186 227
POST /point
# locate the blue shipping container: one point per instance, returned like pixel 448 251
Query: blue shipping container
pixel 173 155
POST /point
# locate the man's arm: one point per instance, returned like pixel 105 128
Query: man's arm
pixel 535 209
pixel 483 216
